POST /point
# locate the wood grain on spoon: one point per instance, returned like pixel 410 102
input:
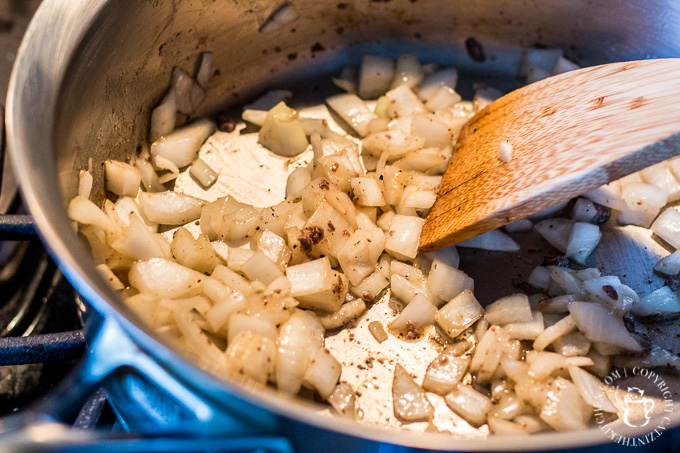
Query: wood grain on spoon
pixel 570 133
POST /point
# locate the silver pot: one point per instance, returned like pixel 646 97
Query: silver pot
pixel 89 72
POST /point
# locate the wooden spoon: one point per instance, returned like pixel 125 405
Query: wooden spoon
pixel 570 133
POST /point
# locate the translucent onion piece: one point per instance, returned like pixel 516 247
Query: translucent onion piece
pixel 590 389
pixel 432 83
pixel 163 117
pixel 375 76
pixel 509 309
pixel 459 313
pixel 564 409
pixel 202 172
pixel 170 208
pixel 408 72
pixel 353 110
pixel 556 231
pixel 122 179
pixel 669 265
pixel 85 182
pixel 402 239
pixel 469 404
pixel 251 354
pixel 165 278
pixel 410 402
pixel 491 240
pixel 599 325
pixel 282 132
pixel 343 400
pixel 323 373
pixel 181 146
pixel 204 69
pixel 149 176
pixel 445 371
pixel 419 312
pixel 660 302
pixel 667 226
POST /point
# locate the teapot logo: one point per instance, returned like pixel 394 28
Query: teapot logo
pixel 637 408
pixel 645 404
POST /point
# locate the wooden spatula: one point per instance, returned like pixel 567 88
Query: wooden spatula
pixel 570 133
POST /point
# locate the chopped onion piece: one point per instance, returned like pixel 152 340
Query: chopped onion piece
pixel 204 69
pixel 419 312
pixel 256 117
pixel 669 265
pixel 661 176
pixel 323 373
pixel 552 333
pixel 509 309
pixel 443 98
pixel 660 302
pixel 348 312
pixel 317 286
pixel 259 267
pixel 106 272
pixel 378 331
pixel 445 371
pixel 196 254
pixel 165 278
pixel 375 76
pixel 611 293
pixel 432 83
pixel 505 151
pixel 529 330
pixel 608 195
pixel 410 402
pixel 181 146
pixel 394 143
pixel 459 313
pixel 182 86
pixel 599 325
pixel 282 132
pixel 519 226
pixel 343 400
pixel 367 191
pixel 583 239
pixel 401 240
pixel 251 354
pixel 556 231
pixel 667 226
pixel 238 323
pixel 469 404
pixel 564 409
pixel 296 345
pixel 564 65
pixel 590 389
pixel 491 240
pixel 85 182
pixel 446 281
pixel 149 176
pixel 408 72
pixel 83 211
pixel 447 255
pixel 228 303
pixel 205 175
pixel 403 102
pixel 170 208
pixel 540 278
pixel 122 179
pixel 163 117
pixel 353 110
pixel 435 133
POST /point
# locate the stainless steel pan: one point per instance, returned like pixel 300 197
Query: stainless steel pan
pixel 89 72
